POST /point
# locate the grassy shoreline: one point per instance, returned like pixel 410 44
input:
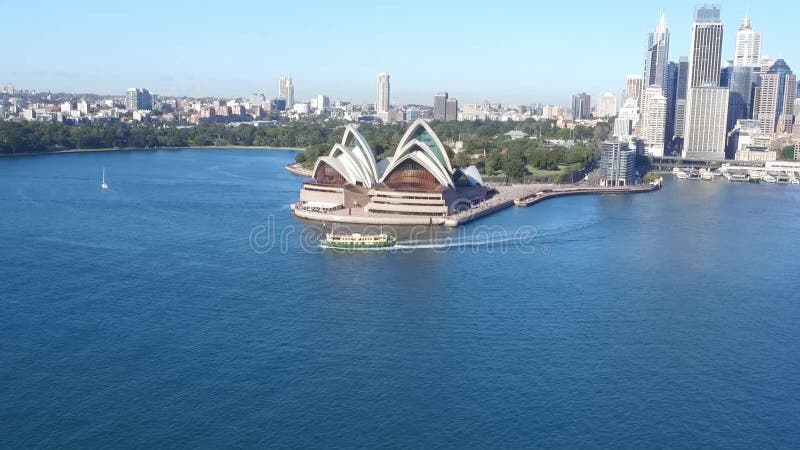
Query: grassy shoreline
pixel 134 149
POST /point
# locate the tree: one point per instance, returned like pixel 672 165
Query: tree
pixel 493 162
pixel 462 160
pixel 787 153
pixel 515 168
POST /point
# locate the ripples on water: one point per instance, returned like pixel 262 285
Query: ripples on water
pixel 143 317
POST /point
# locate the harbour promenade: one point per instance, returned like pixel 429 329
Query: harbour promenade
pixel 520 195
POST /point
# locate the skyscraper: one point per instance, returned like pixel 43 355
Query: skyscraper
pixel 681 89
pixel 286 91
pixel 581 106
pixel 705 59
pixel 742 84
pixel 704 135
pixel 706 119
pixel 440 106
pixel 744 75
pixel 655 65
pixel 382 102
pixel 607 106
pixel 633 88
pixel 776 95
pixel 670 92
pixel 653 122
pixel 748 45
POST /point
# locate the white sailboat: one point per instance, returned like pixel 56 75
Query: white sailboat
pixel 103 184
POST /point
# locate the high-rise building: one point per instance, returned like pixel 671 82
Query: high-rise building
pixel 451 109
pixel 633 88
pixel 671 92
pixel 607 106
pixel 627 119
pixel 706 119
pixel 707 102
pixel 581 106
pixel 776 95
pixel 744 74
pixel 138 100
pixel 742 84
pixel 765 64
pixel 617 163
pixel 797 110
pixel 9 89
pixel 748 45
pixel 652 125
pixel 323 103
pixel 286 90
pixel 382 101
pixel 681 89
pixel 705 60
pixel 440 106
pixel 725 74
pixel 655 64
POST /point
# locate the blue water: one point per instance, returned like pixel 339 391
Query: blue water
pixel 157 314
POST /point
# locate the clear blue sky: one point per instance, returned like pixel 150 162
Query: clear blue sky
pixel 507 51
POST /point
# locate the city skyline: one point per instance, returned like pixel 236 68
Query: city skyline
pixel 173 66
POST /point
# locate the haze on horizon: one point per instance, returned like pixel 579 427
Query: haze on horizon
pixel 510 52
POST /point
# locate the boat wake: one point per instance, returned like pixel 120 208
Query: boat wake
pixel 455 243
pixel 501 238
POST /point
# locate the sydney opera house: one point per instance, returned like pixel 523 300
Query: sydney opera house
pixel 417 181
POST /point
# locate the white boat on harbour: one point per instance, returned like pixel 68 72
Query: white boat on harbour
pixel 736 176
pixel 681 175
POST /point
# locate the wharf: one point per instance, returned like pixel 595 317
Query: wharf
pixel 507 196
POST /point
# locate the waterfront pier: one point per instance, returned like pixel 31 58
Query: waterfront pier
pixel 520 195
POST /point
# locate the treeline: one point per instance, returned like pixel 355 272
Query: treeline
pixel 37 137
pixel 481 137
pixel 514 158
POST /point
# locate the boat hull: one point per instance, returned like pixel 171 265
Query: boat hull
pixel 355 246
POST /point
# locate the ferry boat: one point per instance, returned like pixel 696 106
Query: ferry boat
pixel 737 177
pixel 357 241
pixel 770 179
pixel 782 179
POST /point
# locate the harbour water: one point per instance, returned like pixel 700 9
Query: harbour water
pixel 159 313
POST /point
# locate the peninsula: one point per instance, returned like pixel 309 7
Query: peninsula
pixel 417 185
